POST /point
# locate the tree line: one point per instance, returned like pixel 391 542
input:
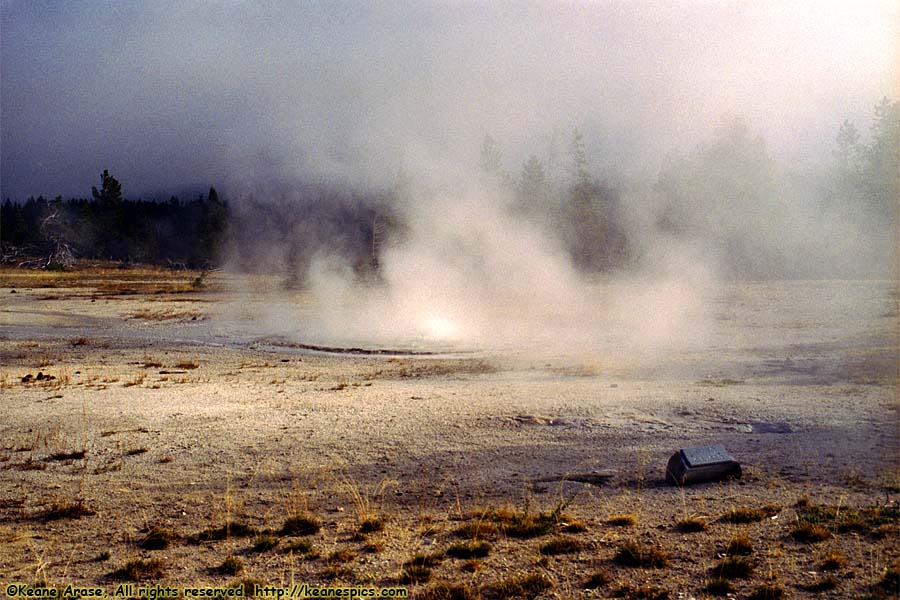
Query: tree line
pixel 56 232
pixel 727 192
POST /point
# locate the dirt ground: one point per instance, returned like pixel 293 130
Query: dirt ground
pixel 487 473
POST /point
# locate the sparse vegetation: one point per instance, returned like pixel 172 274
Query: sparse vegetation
pixel 744 515
pixel 718 587
pixel 443 591
pixel 66 509
pixel 520 586
pixel 524 524
pixel 232 565
pixel 740 546
pixel 833 561
pixel 809 533
pixel 341 556
pixel 691 525
pixel 230 529
pixel 622 520
pixel 301 525
pixel 265 543
pixel 478 529
pixel 767 591
pixel 734 567
pixel 562 545
pixel 140 570
pixel 635 554
pixel 157 539
pixel 476 549
pixel 302 548
pixel 597 580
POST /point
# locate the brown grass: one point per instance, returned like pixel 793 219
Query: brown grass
pixel 635 554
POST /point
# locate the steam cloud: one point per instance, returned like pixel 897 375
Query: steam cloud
pixel 260 100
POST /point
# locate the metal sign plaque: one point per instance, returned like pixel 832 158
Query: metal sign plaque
pixel 706 463
pixel 706 455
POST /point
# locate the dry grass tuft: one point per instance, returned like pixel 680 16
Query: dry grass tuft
pixel 301 525
pixel 634 554
pixel 231 566
pixel 562 545
pixel 734 567
pixel 628 520
pixel 596 580
pixel 520 586
pixel 157 539
pixel 809 533
pixel 230 529
pixel 739 546
pixel 691 525
pixel 718 587
pixel 66 510
pixel 476 530
pixel 744 515
pixel 140 570
pixel 187 365
pixel 443 591
pixel 767 591
pixel 833 561
pixel 476 549
pixel 265 543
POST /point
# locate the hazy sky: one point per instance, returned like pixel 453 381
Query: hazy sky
pixel 168 95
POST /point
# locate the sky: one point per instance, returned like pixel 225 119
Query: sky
pixel 181 95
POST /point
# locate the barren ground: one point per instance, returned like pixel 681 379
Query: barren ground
pixel 168 410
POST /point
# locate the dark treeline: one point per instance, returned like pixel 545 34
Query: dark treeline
pixel 56 232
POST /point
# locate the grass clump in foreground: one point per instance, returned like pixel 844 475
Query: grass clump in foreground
pixel 748 515
pixel 157 539
pixel 596 580
pixel 264 543
pixel 734 567
pixel 521 586
pixel 561 545
pixel 740 546
pixel 525 524
pixel 229 529
pixel 718 587
pixel 691 525
pixel 140 570
pixel 833 561
pixel 443 591
pixel 301 525
pixel 644 592
pixel 66 509
pixel 634 554
pixel 301 548
pixel 476 530
pixel 622 520
pixel 767 591
pixel 809 533
pixel 371 525
pixel 476 549
pixel 231 566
